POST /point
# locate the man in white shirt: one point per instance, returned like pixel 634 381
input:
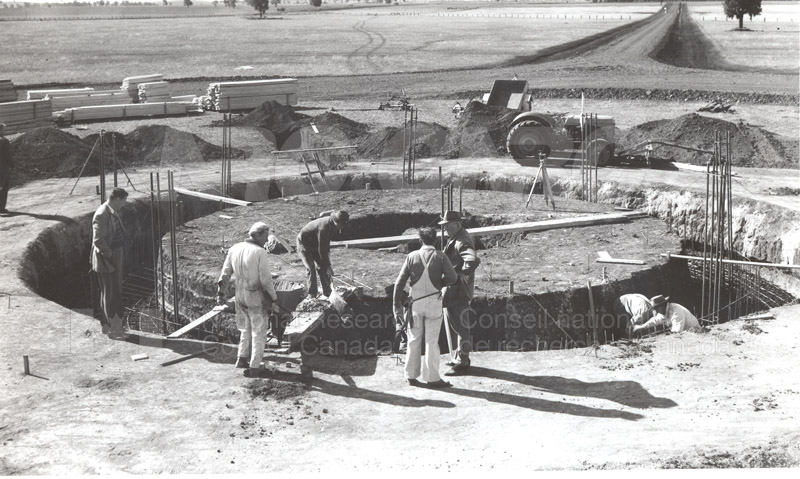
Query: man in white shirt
pixel 248 262
pixel 669 315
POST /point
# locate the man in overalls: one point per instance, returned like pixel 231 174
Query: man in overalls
pixel 429 271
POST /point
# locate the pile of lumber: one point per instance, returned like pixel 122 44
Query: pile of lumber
pixel 131 84
pixel 63 99
pixel 150 92
pixel 121 112
pixel 24 115
pixel 7 91
pixel 248 95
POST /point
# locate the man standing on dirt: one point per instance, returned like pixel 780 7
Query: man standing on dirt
pixel 6 164
pixel 248 261
pixel 429 271
pixel 109 239
pixel 314 246
pixel 460 250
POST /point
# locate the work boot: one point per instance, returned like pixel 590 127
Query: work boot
pixel 458 370
pixel 414 382
pixel 440 384
pixel 242 363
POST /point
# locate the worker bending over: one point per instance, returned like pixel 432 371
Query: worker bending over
pixel 668 315
pixel 429 271
pixel 314 246
pixel 248 262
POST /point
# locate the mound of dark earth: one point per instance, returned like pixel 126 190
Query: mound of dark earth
pixel 481 131
pixel 280 122
pixel 387 143
pixel 48 153
pixel 52 153
pixel 751 145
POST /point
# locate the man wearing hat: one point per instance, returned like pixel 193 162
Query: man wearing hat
pixel 671 315
pixel 249 262
pixel 314 246
pixel 460 250
pixel 633 309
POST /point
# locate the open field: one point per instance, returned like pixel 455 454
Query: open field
pixel 774 41
pixel 332 43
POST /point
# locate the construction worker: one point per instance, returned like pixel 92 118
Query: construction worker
pixel 6 164
pixel 109 239
pixel 460 250
pixel 314 246
pixel 255 296
pixel 669 315
pixel 633 309
pixel 429 270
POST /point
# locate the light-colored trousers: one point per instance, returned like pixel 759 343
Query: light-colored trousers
pixel 253 323
pixel 427 322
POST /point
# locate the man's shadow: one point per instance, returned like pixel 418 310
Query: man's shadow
pixel 545 405
pixel 63 219
pixel 627 393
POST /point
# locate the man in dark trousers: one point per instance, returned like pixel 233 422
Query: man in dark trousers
pixel 460 250
pixel 109 239
pixel 6 164
pixel 314 246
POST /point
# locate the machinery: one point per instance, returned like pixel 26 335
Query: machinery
pixel 396 102
pixel 534 135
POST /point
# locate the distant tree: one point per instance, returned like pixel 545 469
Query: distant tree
pixel 275 3
pixel 315 3
pixel 739 8
pixel 215 3
pixel 260 5
pixel 187 3
pixel 164 2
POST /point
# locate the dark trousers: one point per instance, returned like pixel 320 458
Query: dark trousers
pixel 459 318
pixel 311 261
pixel 5 185
pixel 111 297
pixel 623 317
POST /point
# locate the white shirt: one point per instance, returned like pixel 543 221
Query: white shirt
pixel 676 317
pixel 249 263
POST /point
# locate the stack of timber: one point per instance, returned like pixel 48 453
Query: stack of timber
pixel 25 115
pixel 248 95
pixel 121 112
pixel 90 98
pixel 152 92
pixel 131 84
pixel 42 94
pixel 7 91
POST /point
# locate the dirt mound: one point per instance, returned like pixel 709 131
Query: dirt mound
pixel 281 120
pixel 156 144
pixel 481 131
pixel 387 143
pixel 47 153
pixel 332 124
pixel 751 145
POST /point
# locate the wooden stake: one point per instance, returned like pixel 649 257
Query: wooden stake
pixel 26 365
pixel 510 287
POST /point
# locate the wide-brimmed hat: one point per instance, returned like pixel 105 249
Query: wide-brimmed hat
pixel 450 216
pixel 659 300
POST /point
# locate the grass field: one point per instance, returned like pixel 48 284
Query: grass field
pixel 402 38
pixel 774 41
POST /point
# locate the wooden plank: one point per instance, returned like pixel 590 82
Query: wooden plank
pixel 302 324
pixel 603 255
pixel 488 230
pixel 732 261
pixel 207 196
pixel 620 261
pixel 219 309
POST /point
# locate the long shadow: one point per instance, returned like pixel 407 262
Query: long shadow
pixel 627 393
pixel 64 219
pixel 352 391
pixel 545 405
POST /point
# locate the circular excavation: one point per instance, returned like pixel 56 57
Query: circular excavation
pixel 536 262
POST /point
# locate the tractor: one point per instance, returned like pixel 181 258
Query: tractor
pixel 534 135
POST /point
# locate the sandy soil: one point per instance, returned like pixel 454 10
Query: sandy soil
pixel 728 398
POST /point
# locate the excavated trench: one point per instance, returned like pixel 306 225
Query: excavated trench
pixel 550 306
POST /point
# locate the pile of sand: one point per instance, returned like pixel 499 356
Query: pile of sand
pixel 750 145
pixel 158 144
pixel 481 131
